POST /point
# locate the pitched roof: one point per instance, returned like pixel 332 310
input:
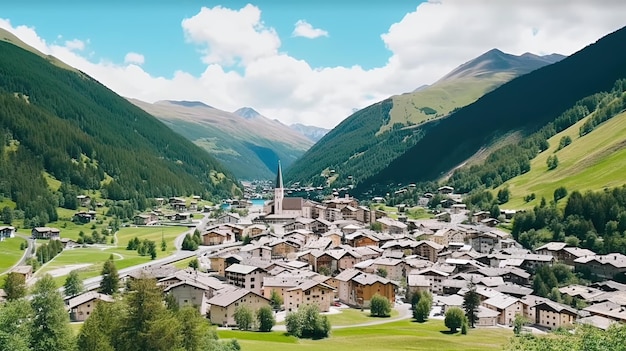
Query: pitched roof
pixel 241 268
pixel 279 177
pixel 501 301
pixel 308 284
pixel 86 297
pixel 229 297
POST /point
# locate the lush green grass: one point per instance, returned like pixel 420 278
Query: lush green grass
pixel 443 98
pixel 154 233
pixel 76 327
pixel 184 263
pixel 400 335
pixel 592 162
pixel 349 316
pixel 93 256
pixel 10 252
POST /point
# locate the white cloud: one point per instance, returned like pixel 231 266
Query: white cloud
pixel 306 30
pixel 75 45
pixel 425 45
pixel 231 36
pixel 134 58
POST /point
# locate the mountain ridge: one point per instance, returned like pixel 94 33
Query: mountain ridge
pixel 249 145
pixel 361 144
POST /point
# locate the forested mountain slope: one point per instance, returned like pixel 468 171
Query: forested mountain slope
pixel 365 143
pixel 67 124
pixel 524 104
pixel 245 142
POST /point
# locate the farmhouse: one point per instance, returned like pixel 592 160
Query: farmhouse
pixel 222 306
pixel 45 233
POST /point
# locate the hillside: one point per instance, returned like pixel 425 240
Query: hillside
pixel 246 142
pixel 591 162
pixel 365 143
pixel 65 123
pixel 524 104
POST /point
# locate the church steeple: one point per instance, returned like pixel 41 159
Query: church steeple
pixel 279 192
pixel 279 177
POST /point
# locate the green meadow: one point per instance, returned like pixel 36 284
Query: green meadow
pixel 400 335
pixel 10 252
pixel 592 162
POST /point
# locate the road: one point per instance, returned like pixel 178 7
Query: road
pixel 28 252
pixel 178 255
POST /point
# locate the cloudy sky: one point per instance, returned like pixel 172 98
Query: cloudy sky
pixel 304 61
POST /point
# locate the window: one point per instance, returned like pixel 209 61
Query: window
pixel 252 279
pixel 252 286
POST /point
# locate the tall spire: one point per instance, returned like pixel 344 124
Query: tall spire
pixel 279 177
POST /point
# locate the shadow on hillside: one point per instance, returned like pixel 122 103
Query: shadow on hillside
pixel 448 332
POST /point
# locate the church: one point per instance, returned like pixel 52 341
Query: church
pixel 283 209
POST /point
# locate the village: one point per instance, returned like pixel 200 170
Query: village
pixel 337 254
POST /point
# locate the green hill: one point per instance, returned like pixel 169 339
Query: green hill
pixel 523 105
pixel 67 124
pixel 594 162
pixel 364 143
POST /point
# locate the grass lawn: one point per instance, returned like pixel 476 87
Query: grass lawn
pixel 184 263
pixel 350 316
pixel 591 162
pixel 153 233
pixel 10 252
pixel 400 335
pixel 75 326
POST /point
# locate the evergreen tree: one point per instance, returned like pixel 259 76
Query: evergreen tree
pixel 15 325
pixel 144 305
pixel 421 310
pixel 110 278
pixel 471 301
pixel 73 284
pixel 15 286
pixel 100 330
pixel 51 327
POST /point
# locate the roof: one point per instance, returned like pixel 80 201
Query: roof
pixel 552 246
pixel 46 229
pixel 597 321
pixel 417 280
pixel 309 284
pixel 556 307
pixel 484 312
pixel 23 269
pixel 347 274
pixel 585 292
pixel 279 177
pixel 240 268
pixel 501 301
pixel 86 297
pixel 229 297
pixel 370 279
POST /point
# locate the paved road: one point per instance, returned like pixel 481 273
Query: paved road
pixel 27 252
pixel 178 255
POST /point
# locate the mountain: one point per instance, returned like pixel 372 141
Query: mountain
pixel 312 132
pixel 60 123
pixel 522 105
pixel 246 142
pixel 365 143
pixel 247 113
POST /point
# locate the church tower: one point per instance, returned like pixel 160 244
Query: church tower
pixel 279 192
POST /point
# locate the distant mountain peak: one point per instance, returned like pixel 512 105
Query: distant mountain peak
pixel 495 60
pixel 247 113
pixel 312 132
pixel 185 103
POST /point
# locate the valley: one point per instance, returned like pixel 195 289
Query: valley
pixel 484 211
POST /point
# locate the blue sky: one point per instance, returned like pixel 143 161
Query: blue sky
pixel 153 28
pixel 297 61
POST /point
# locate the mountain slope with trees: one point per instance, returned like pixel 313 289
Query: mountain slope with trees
pixel 364 143
pixel 67 124
pixel 524 104
pixel 246 142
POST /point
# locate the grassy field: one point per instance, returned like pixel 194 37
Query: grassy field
pixel 77 258
pixel 592 162
pixel 10 252
pixel 401 335
pixel 349 316
pixel 443 98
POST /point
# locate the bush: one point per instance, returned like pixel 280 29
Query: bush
pixel 422 309
pixel 380 306
pixel 454 318
pixel 307 323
